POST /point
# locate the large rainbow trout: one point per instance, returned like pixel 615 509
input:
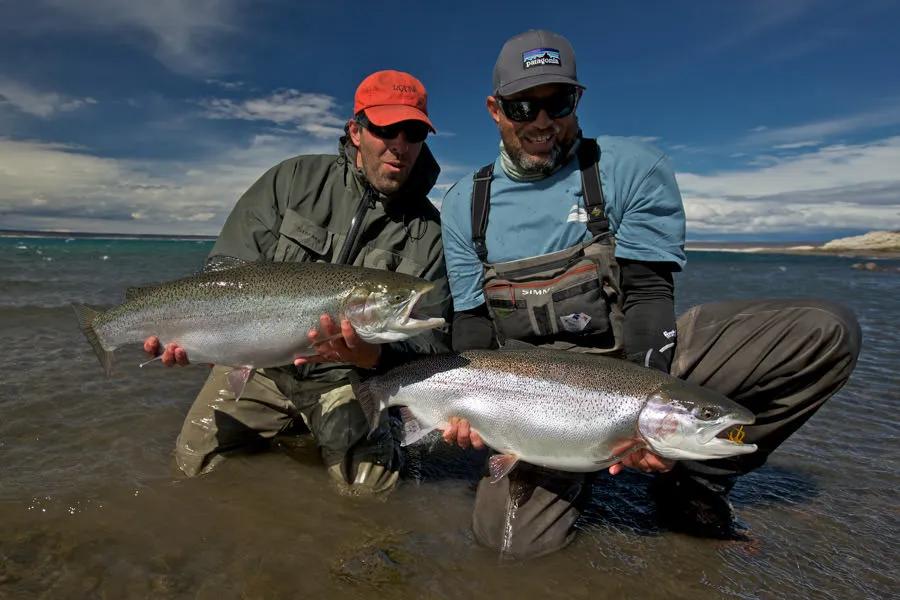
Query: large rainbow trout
pixel 558 409
pixel 257 315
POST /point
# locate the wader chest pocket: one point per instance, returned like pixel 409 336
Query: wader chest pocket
pixel 573 302
pixel 299 239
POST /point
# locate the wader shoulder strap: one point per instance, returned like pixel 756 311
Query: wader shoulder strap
pixel 481 203
pixel 594 204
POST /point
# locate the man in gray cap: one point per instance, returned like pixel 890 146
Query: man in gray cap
pixel 571 242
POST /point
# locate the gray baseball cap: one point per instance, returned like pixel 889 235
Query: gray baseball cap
pixel 534 58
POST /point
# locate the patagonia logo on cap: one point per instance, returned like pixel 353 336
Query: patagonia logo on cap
pixel 540 57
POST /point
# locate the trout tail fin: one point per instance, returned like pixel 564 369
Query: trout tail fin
pixel 86 317
pixel 372 405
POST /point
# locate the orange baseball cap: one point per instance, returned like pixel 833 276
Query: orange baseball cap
pixel 389 97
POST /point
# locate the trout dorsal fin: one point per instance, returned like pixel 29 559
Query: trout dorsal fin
pixel 221 262
pixel 512 345
pixel 138 290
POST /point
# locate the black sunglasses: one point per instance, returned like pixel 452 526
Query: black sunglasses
pixel 527 109
pixel 414 131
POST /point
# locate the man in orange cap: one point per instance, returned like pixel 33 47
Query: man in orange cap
pixel 366 206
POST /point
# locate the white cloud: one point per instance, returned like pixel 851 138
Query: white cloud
pixel 819 130
pixel 311 113
pixel 57 186
pixel 796 145
pixel 228 85
pixel 835 187
pixel 39 104
pixel 182 34
pixel 647 139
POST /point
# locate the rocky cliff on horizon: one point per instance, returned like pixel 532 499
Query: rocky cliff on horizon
pixel 888 241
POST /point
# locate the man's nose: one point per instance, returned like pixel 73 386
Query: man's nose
pixel 543 119
pixel 399 145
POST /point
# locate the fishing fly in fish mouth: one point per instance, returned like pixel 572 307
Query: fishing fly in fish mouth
pixel 691 429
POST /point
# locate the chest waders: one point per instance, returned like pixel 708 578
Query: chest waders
pixel 569 299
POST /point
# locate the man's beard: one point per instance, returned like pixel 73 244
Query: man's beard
pixel 536 165
pixel 528 164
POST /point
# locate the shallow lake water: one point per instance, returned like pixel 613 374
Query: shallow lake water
pixel 92 506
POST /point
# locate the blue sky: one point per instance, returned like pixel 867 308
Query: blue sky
pixel 781 118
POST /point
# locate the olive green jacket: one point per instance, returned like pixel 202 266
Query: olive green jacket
pixel 301 210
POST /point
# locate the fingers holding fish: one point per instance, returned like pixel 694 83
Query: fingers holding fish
pixel 460 432
pixel 151 346
pixel 642 460
pixel 172 354
pixel 339 344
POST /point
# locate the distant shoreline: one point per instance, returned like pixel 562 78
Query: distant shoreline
pixel 874 244
pixel 795 248
pixel 102 236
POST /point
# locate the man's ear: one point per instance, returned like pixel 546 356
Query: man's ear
pixel 353 129
pixel 494 109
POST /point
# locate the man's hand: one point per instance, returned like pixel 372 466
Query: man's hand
pixel 642 459
pixel 460 431
pixel 172 354
pixel 340 345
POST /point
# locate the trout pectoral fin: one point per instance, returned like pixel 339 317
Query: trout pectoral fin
pixel 325 340
pixel 619 452
pixel 237 380
pixel 500 465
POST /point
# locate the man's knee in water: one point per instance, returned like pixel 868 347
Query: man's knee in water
pixel 841 322
pixel 371 465
pixel 527 515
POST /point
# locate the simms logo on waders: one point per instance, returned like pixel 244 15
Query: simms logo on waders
pixel 540 57
pixel 535 292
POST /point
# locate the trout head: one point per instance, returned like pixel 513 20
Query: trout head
pixel 382 312
pixel 693 423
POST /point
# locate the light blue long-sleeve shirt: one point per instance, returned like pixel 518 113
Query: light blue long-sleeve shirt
pixel 533 218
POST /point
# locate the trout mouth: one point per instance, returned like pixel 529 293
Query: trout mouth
pixel 382 320
pixel 411 321
pixel 731 433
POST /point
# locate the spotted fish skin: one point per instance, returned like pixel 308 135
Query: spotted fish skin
pixel 563 410
pixel 257 314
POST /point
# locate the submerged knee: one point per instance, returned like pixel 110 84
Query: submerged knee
pixel 840 327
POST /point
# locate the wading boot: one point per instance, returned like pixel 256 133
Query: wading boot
pixel 695 504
